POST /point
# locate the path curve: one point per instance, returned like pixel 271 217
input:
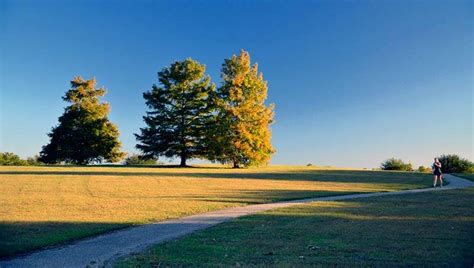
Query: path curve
pixel 104 249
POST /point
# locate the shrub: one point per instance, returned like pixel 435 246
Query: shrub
pixel 471 170
pixel 34 160
pixel 424 169
pixel 11 159
pixel 136 159
pixel 452 163
pixel 396 164
pixel 309 165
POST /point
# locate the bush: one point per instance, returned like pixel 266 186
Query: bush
pixel 471 170
pixel 424 169
pixel 136 159
pixel 11 159
pixel 452 163
pixel 34 161
pixel 309 165
pixel 395 164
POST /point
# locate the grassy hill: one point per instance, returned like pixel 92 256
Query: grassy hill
pixel 44 206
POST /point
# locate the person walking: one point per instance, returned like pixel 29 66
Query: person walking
pixel 437 173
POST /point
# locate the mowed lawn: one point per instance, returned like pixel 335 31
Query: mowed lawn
pixel 469 176
pixel 44 206
pixel 425 229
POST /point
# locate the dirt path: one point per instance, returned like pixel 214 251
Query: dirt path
pixel 104 249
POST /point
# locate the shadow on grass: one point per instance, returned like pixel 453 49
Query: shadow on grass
pixel 22 237
pixel 300 175
pixel 411 230
pixel 372 231
pixel 252 197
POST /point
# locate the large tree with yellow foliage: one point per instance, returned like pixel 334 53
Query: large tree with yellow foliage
pixel 241 134
pixel 84 134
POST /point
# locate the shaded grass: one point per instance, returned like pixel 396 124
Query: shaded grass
pixel 44 206
pixel 469 176
pixel 426 229
pixel 18 237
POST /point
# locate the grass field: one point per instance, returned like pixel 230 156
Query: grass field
pixel 428 229
pixel 43 206
pixel 469 176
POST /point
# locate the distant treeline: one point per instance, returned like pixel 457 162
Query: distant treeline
pixel 187 117
pixel 450 163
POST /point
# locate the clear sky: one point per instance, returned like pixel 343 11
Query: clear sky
pixel 354 82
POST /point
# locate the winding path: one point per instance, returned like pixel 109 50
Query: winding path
pixel 102 250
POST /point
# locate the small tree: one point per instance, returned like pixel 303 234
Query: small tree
pixel 396 164
pixel 424 169
pixel 452 163
pixel 180 109
pixel 241 133
pixel 84 133
pixel 136 159
pixel 11 159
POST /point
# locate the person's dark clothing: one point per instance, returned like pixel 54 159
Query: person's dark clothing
pixel 436 170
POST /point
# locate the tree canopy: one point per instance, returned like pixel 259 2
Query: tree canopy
pixel 11 159
pixel 452 163
pixel 241 134
pixel 179 112
pixel 396 164
pixel 84 134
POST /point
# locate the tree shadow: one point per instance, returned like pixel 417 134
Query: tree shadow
pixel 250 197
pixel 17 238
pixel 298 175
pixel 23 237
pixel 410 230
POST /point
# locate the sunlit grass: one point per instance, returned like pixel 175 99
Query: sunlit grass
pixel 426 229
pixel 42 206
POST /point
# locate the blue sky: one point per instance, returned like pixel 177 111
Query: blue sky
pixel 354 82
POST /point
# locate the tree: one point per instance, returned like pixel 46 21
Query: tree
pixel 396 164
pixel 11 159
pixel 180 110
pixel 241 134
pixel 424 169
pixel 452 163
pixel 84 134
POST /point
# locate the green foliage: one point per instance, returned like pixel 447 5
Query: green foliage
pixel 241 133
pixel 396 164
pixel 136 159
pixel 424 169
pixel 84 134
pixel 452 163
pixel 179 113
pixel 11 159
pixel 470 169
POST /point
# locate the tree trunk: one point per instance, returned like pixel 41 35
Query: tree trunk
pixel 236 164
pixel 183 161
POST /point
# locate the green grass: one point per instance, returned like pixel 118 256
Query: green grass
pixel 426 229
pixel 44 206
pixel 469 176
